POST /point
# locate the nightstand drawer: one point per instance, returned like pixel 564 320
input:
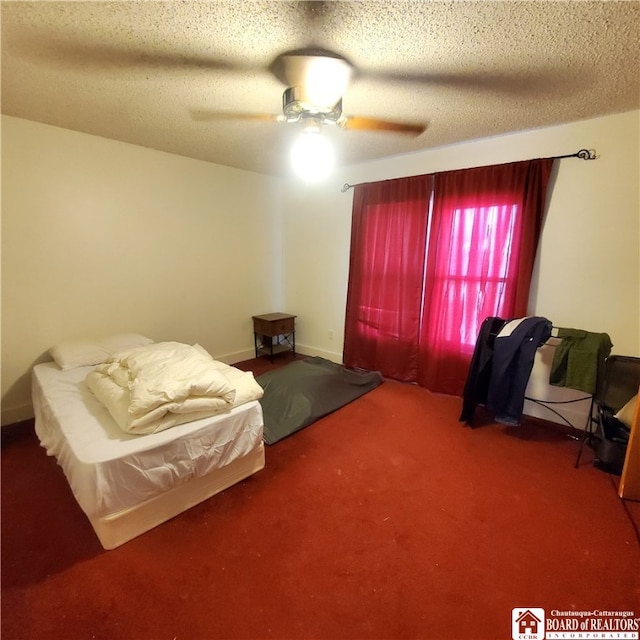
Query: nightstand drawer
pixel 274 324
pixel 282 326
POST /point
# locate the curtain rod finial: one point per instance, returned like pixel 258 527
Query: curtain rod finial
pixel 346 186
pixel 587 154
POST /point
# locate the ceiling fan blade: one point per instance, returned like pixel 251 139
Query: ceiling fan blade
pixel 519 82
pixel 359 123
pixel 203 115
pixel 55 52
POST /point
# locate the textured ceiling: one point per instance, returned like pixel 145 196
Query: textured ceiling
pixel 141 71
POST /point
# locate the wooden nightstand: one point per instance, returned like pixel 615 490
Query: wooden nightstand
pixel 274 333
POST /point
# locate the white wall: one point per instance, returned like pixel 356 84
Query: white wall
pixel 588 269
pixel 100 237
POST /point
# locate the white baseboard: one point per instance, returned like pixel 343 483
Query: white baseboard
pixel 321 353
pixel 11 415
pixel 301 349
pixel 236 356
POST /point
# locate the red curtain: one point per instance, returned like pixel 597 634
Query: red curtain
pixel 386 275
pixel 485 228
pixel 414 311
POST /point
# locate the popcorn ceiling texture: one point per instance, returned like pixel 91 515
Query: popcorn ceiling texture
pixel 137 71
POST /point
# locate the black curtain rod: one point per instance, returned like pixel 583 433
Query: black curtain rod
pixel 584 154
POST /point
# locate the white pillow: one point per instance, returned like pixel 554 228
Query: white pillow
pixel 124 341
pixel 625 415
pixel 85 352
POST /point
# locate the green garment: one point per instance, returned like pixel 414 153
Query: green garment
pixel 579 359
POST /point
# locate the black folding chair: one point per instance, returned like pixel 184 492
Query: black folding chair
pixel 619 384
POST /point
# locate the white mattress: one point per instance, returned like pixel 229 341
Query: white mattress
pixel 110 470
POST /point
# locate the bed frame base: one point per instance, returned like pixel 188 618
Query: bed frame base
pixel 117 528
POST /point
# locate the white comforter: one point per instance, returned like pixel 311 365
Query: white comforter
pixel 157 386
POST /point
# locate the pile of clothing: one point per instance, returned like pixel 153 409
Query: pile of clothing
pixel 503 359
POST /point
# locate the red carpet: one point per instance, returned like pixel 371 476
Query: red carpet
pixel 386 519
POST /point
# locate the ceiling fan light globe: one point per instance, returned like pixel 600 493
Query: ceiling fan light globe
pixel 312 156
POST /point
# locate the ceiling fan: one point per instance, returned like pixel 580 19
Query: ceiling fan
pixel 316 80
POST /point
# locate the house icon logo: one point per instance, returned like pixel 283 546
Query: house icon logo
pixel 527 623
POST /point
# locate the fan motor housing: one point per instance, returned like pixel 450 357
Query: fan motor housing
pixel 295 105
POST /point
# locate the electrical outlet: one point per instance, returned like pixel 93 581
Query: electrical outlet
pixel 330 334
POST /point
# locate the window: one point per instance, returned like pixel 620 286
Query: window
pixel 475 274
pixel 431 257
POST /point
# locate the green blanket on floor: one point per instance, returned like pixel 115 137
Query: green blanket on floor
pixel 304 391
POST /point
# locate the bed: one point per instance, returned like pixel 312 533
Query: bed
pixel 128 483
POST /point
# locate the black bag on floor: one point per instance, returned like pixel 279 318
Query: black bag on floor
pixel 612 449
